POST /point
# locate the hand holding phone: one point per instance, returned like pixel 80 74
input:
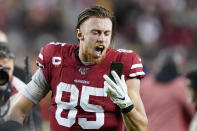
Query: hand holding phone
pixel 117 67
pixel 117 90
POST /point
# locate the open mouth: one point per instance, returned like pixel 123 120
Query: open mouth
pixel 99 50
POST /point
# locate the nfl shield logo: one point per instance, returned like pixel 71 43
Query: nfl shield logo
pixel 83 70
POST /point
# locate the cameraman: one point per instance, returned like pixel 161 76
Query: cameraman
pixel 9 85
pixel 33 121
pixel 18 72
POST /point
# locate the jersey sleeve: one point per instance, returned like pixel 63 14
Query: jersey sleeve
pixel 37 88
pixel 44 56
pixel 133 67
pixel 43 60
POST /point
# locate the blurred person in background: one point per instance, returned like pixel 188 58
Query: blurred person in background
pixel 192 95
pixel 18 72
pixel 83 97
pixel 10 86
pixel 163 93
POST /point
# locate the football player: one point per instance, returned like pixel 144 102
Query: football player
pixel 83 96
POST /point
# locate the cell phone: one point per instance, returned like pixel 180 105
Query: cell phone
pixel 117 67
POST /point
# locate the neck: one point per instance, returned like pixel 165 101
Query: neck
pixel 80 55
pixel 80 58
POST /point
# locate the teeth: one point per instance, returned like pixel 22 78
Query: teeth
pixel 100 46
pixel 98 50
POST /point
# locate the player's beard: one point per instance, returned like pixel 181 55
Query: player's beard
pixel 90 58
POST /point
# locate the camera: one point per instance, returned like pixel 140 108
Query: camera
pixel 4 76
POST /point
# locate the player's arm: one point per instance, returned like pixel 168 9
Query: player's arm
pixel 35 90
pixel 135 119
pixel 20 108
pixel 17 113
pixel 126 96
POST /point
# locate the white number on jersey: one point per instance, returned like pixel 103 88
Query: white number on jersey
pixel 71 119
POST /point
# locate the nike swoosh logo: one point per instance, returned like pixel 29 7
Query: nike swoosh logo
pixel 121 98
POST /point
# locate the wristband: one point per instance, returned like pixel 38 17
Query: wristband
pixel 127 109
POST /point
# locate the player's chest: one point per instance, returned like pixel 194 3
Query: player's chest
pixel 78 75
pixel 80 84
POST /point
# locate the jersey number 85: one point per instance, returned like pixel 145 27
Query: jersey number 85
pixel 84 99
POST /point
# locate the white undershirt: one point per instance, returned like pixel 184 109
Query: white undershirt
pixel 37 88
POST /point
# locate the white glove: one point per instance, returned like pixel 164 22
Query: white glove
pixel 118 92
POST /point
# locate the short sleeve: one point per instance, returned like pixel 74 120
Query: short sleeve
pixel 43 60
pixel 133 67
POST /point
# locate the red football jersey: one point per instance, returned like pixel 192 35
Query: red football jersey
pixel 78 98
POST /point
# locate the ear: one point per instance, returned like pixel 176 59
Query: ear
pixel 79 34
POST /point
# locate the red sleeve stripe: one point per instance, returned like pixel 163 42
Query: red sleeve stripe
pixel 137 74
pixel 40 56
pixel 136 66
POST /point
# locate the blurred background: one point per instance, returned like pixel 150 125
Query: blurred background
pixel 145 26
